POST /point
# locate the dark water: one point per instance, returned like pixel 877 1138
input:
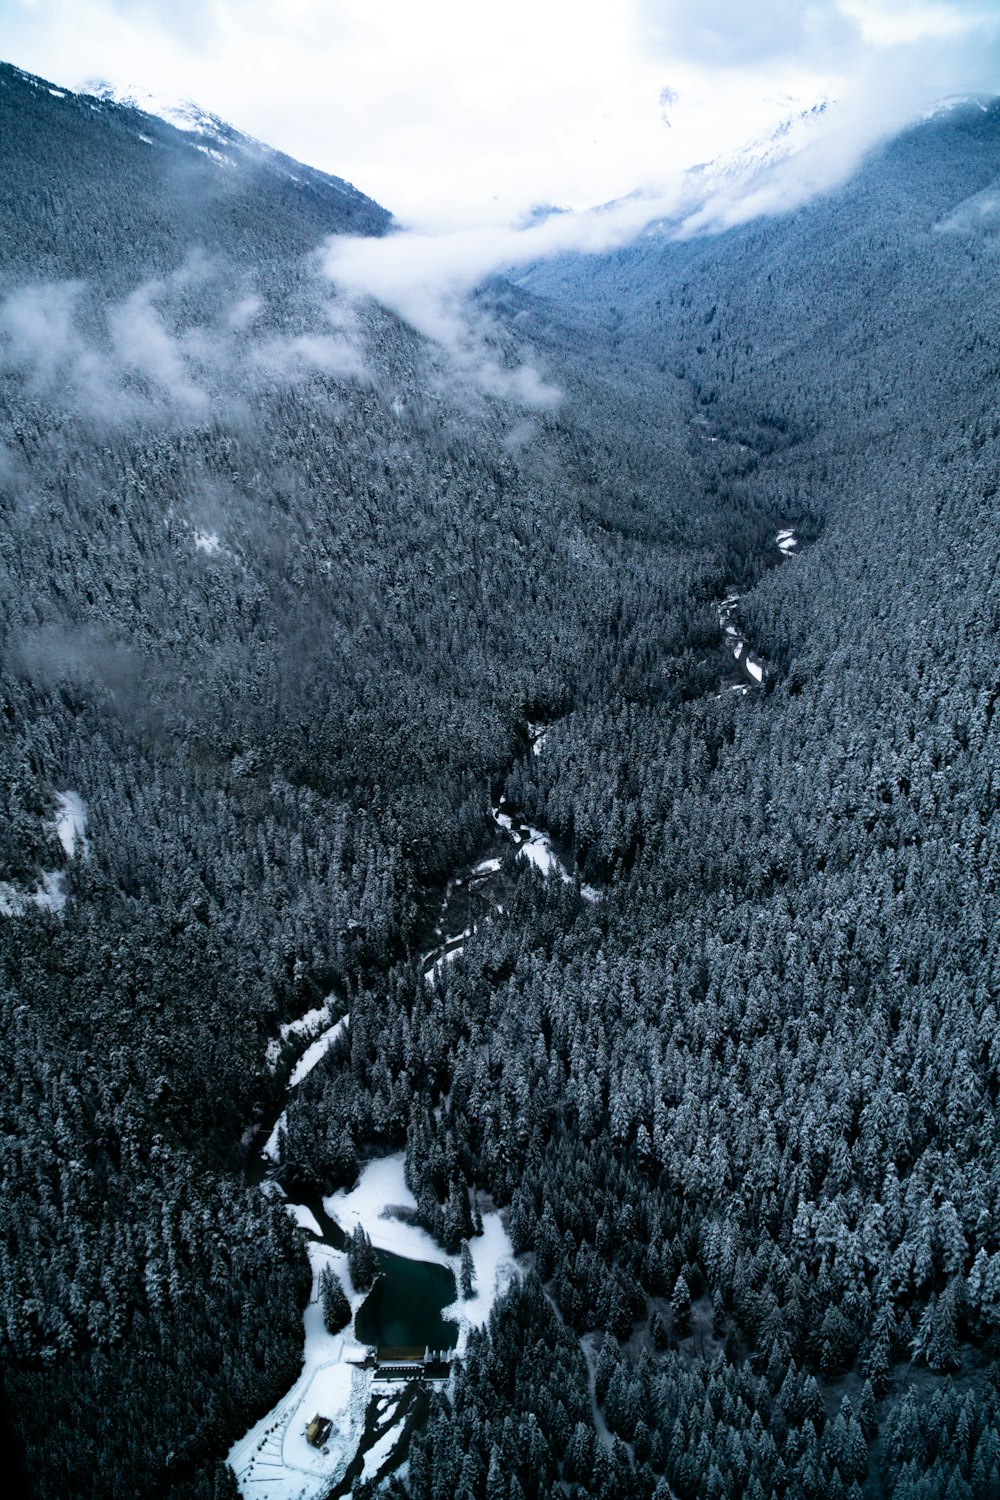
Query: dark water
pixel 403 1308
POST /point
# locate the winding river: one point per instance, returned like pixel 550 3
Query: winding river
pixel 412 1304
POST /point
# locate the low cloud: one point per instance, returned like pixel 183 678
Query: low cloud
pixel 891 88
pixel 40 341
pixel 148 354
pixel 895 65
pixel 293 358
pixel 979 212
pixel 144 347
pixel 426 278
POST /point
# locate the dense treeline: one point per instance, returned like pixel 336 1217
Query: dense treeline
pixel 282 627
pixel 743 1111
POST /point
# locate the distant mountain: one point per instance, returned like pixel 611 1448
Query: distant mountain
pixel 795 130
pixel 122 175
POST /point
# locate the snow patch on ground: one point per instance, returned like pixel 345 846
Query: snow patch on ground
pixel 536 847
pixel 182 114
pixel 433 972
pixel 493 1271
pixel 304 1026
pixel 71 822
pixel 207 541
pixel 537 734
pixel 274 1460
pixel 787 542
pixel 48 895
pixel 305 1219
pixel 319 1048
pixel 216 156
pixel 537 850
pixel 379 1452
pixel 272 1146
pixel 736 643
pixel 382 1188
pixel 49 892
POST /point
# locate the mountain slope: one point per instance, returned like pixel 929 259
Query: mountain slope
pixel 281 596
pixel 101 175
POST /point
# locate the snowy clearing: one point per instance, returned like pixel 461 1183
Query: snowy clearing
pixel 274 1460
pixel 786 542
pixel 216 156
pixel 48 895
pixel 207 541
pixel 493 1271
pixel 380 1189
pixel 71 822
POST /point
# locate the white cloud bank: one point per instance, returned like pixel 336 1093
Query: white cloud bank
pixel 891 75
pixel 112 362
pixel 460 118
pixel 452 114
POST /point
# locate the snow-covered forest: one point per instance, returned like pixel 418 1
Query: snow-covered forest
pixel 287 607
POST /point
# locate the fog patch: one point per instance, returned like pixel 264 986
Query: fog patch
pixel 242 313
pixel 86 656
pixel 982 211
pixel 425 278
pixel 143 346
pixel 40 341
pixel 171 347
pixel 309 353
pixel 8 468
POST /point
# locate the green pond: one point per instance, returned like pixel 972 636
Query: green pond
pixel 403 1308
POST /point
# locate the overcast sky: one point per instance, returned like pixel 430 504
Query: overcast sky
pixel 458 113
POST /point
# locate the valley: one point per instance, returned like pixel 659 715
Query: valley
pixel 498 839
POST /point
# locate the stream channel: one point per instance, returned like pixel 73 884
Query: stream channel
pixel 405 1310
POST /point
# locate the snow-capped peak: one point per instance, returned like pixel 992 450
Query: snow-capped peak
pixel 797 126
pixel 183 114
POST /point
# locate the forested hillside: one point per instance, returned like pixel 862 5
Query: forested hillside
pixel 280 598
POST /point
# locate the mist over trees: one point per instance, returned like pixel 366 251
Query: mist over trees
pixel 280 597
